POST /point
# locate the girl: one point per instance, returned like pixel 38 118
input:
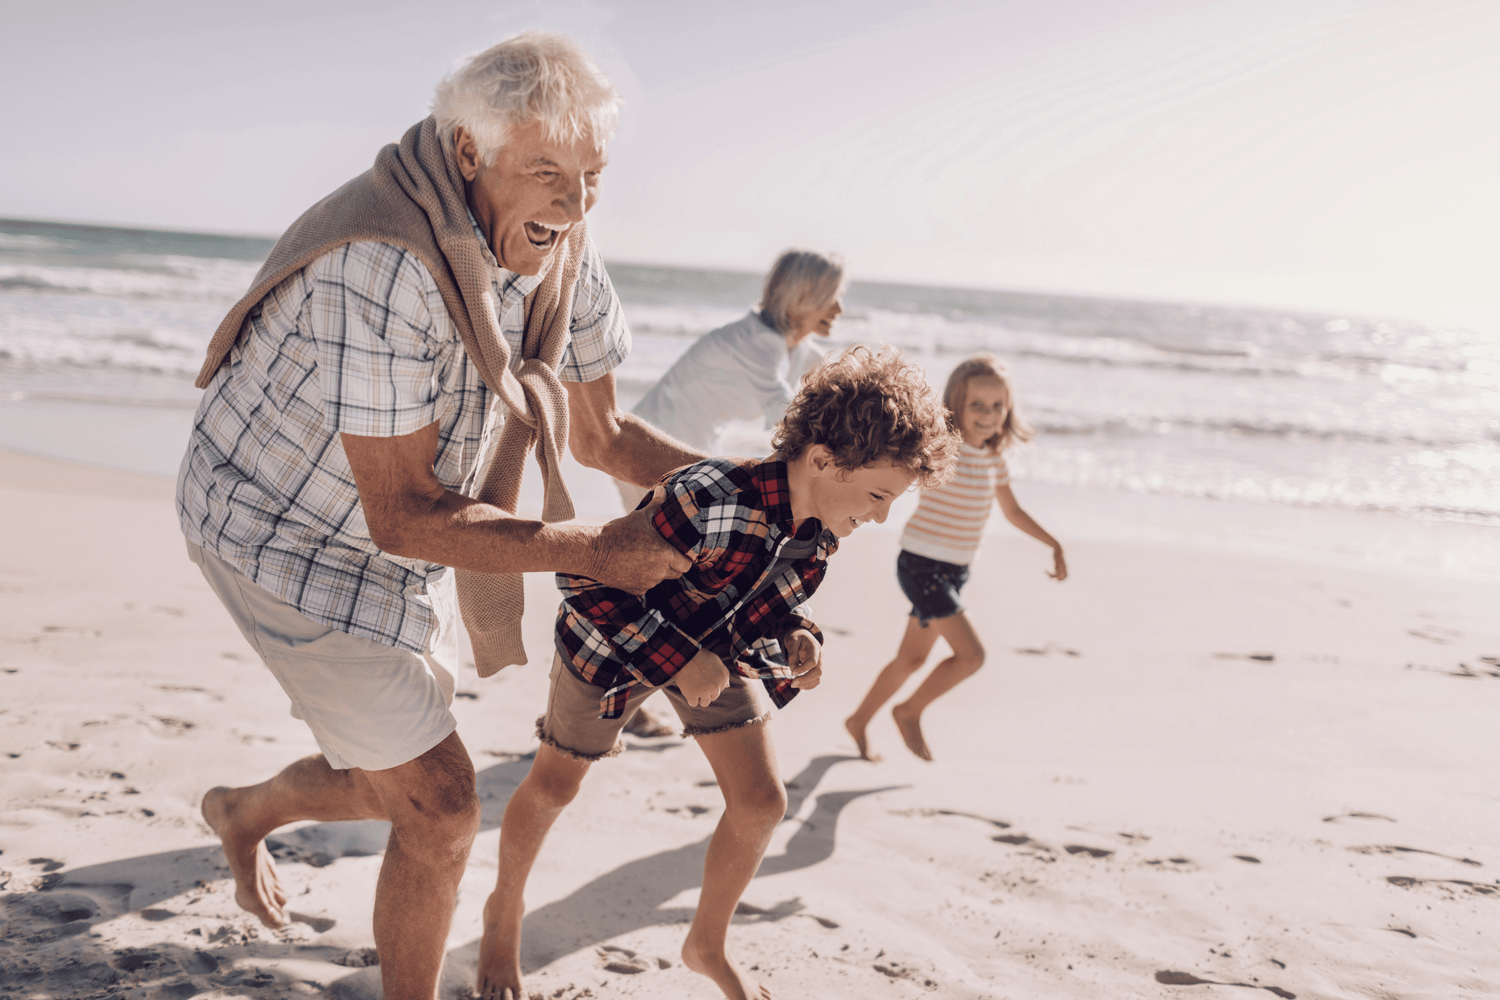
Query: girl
pixel 940 541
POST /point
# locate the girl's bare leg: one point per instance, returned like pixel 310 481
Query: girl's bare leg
pixel 754 802
pixel 916 643
pixel 967 658
pixel 536 803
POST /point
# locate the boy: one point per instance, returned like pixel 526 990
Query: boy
pixel 863 428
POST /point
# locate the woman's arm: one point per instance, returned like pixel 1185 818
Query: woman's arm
pixel 1011 508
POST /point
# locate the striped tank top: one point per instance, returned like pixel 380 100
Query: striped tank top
pixel 950 518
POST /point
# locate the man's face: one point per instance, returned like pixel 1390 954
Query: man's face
pixel 534 192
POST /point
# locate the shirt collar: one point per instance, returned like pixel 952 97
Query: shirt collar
pixel 775 490
pixel 509 282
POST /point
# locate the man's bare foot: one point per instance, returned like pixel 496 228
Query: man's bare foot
pixel 725 973
pixel 256 886
pixel 909 724
pixel 499 961
pixel 857 730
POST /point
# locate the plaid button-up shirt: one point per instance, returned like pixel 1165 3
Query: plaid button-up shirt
pixel 358 342
pixel 732 518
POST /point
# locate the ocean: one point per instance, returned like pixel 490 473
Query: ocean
pixel 1146 407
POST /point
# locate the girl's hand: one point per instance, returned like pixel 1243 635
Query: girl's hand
pixel 1059 565
pixel 804 654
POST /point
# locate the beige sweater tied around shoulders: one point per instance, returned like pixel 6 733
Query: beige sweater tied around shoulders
pixel 413 197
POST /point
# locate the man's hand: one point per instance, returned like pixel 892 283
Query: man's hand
pixel 631 556
pixel 1059 565
pixel 702 679
pixel 804 654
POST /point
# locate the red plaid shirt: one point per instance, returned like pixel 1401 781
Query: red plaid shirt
pixel 731 517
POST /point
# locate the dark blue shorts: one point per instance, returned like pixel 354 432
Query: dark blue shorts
pixel 930 585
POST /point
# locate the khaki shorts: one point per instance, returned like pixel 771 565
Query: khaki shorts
pixel 369 705
pixel 572 722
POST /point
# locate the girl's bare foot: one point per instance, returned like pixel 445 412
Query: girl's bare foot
pixel 256 886
pixel 909 724
pixel 857 730
pixel 499 957
pixel 726 974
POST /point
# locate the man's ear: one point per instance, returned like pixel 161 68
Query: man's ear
pixel 466 151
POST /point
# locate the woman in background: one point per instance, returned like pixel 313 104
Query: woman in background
pixel 751 367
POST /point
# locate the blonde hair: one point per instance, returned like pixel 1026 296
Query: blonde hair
pixel 533 77
pixel 798 281
pixel 955 397
pixel 865 406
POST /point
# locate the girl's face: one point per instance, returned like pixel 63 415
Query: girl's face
pixel 986 403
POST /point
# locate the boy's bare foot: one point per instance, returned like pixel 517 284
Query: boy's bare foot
pixel 256 887
pixel 725 973
pixel 909 724
pixel 857 730
pixel 499 961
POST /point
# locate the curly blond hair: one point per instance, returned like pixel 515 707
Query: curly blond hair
pixel 864 406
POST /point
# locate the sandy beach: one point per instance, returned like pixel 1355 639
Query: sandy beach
pixel 1182 773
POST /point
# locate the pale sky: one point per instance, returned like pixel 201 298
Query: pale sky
pixel 1335 154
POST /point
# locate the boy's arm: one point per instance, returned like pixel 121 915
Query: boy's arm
pixel 653 648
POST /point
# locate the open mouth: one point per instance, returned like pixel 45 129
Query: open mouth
pixel 544 235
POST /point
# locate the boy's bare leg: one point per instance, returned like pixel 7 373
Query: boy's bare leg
pixel 968 657
pixel 744 762
pixel 916 643
pixel 434 814
pixel 541 797
pixel 242 817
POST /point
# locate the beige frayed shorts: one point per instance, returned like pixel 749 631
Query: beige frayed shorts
pixel 572 722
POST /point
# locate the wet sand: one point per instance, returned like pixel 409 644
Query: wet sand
pixel 1182 768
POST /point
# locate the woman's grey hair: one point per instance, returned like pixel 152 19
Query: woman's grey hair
pixel 533 77
pixel 798 281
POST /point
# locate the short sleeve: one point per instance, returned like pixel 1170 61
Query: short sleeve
pixel 381 352
pixel 600 337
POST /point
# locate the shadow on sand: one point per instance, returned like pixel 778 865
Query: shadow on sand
pixel 632 896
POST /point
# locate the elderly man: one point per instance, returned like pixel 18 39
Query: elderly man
pixel 445 298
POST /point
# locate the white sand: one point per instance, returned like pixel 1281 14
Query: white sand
pixel 1156 810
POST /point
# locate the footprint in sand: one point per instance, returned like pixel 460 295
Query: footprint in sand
pixel 1357 815
pixel 1259 657
pixel 1435 633
pixel 1464 670
pixel 1394 849
pixel 189 689
pixel 1473 888
pixel 968 815
pixel 1093 852
pixel 1168 977
pixel 614 958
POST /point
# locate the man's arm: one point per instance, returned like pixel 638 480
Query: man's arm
pixel 411 514
pixel 604 437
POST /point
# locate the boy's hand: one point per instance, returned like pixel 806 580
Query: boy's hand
pixel 1059 565
pixel 702 679
pixel 631 556
pixel 804 654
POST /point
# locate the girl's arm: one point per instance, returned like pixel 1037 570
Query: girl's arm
pixel 1015 515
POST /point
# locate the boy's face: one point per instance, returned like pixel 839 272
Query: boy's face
pixel 843 499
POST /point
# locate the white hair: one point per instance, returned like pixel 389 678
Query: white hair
pixel 533 77
pixel 800 280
